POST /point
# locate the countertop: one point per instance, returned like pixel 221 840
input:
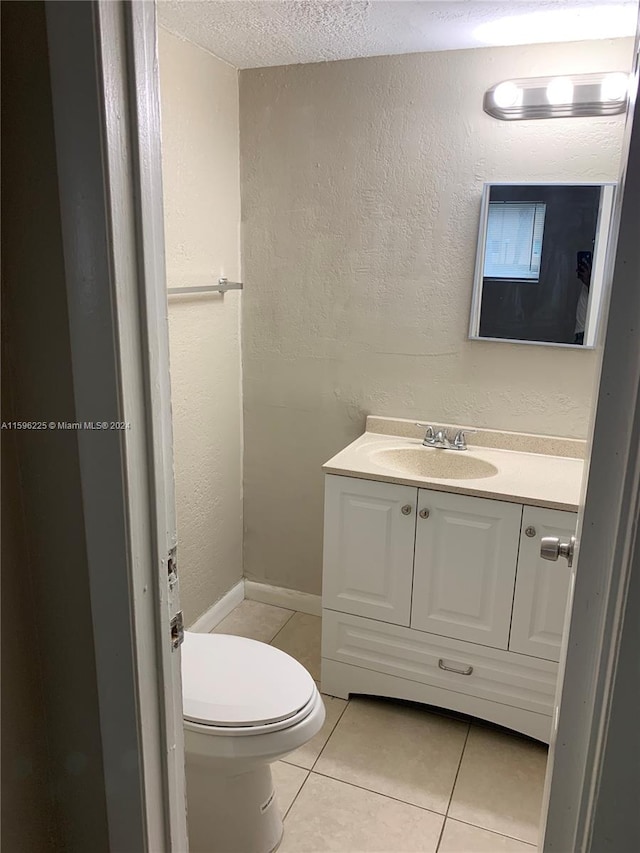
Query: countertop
pixel 533 478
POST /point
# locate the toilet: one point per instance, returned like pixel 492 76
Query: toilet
pixel 245 705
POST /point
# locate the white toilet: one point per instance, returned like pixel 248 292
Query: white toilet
pixel 246 704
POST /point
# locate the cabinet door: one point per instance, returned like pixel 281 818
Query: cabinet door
pixel 369 531
pixel 542 587
pixel 465 567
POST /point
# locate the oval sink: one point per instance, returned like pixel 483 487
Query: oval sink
pixel 428 462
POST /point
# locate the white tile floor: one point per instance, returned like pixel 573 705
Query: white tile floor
pixel 388 777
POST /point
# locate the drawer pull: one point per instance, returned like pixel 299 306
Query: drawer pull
pixel 466 671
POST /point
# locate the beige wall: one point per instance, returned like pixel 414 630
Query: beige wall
pixel 202 222
pixel 361 185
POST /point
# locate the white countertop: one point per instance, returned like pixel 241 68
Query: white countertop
pixel 523 477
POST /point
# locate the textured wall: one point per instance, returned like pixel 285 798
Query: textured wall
pixel 361 184
pixel 202 222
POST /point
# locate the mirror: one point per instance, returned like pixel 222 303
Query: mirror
pixel 540 263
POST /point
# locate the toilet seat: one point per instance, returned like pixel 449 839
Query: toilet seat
pixel 242 731
pixel 236 686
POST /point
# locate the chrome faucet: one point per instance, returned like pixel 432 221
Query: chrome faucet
pixel 433 438
pixel 441 440
pixel 460 440
pixel 429 438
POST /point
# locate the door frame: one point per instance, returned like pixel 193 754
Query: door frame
pixel 103 58
pixel 105 92
pixel 596 677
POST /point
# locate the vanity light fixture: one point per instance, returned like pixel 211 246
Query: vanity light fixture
pixel 507 94
pixel 568 96
pixel 614 87
pixel 560 91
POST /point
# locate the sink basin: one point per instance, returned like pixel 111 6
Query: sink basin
pixel 429 462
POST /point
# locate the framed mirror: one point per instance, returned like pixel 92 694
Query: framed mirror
pixel 540 263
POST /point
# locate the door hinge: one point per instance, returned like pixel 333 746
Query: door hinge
pixel 177 630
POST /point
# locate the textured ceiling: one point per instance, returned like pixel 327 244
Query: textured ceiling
pixel 259 33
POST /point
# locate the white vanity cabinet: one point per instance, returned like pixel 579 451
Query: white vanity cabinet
pixel 442 598
pixel 465 567
pixel 368 548
pixel 542 588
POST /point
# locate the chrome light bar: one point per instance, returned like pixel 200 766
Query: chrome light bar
pixel 568 96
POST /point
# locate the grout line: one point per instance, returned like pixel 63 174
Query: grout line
pixel 326 741
pixel 464 746
pixel 324 746
pixel 291 764
pixel 444 823
pixel 377 793
pixel 493 831
pixel 453 787
pixel 293 613
pixel 306 778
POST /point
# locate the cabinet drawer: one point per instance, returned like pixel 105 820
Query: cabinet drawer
pixel 493 674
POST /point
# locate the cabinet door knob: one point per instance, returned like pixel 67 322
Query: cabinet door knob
pixel 424 513
pixel 406 509
pixel 531 532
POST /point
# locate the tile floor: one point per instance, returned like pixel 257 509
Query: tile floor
pixel 389 777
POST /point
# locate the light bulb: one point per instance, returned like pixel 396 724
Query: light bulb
pixel 560 91
pixel 507 94
pixel 614 87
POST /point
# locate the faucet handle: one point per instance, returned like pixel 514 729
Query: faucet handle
pixel 460 442
pixel 429 437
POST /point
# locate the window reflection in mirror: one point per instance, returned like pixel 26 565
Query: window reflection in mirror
pixel 540 262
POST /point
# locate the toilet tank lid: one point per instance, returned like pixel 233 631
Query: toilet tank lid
pixel 235 681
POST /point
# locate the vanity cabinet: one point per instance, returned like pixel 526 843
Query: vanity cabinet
pixel 442 598
pixel 542 588
pixel 465 567
pixel 368 548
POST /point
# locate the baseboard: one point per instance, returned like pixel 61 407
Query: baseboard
pixel 281 597
pixel 264 592
pixel 217 612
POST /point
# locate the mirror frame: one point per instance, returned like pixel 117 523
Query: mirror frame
pixel 605 210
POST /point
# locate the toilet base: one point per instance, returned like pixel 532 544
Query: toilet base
pixel 231 814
